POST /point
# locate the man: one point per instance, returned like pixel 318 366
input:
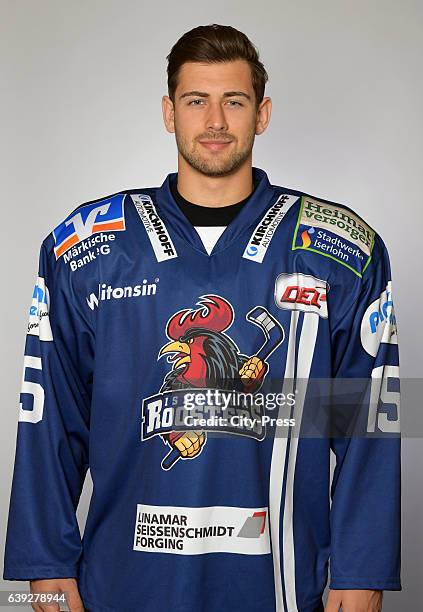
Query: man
pixel 153 308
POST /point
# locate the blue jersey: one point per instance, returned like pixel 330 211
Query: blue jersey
pixel 145 361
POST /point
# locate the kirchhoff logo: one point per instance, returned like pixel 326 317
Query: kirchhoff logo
pixel 107 292
pixel 263 233
pixel 269 220
pixel 252 250
pixel 154 226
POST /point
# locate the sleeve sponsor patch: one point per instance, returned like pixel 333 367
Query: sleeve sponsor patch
pixel 335 232
pixel 378 325
pixel 39 322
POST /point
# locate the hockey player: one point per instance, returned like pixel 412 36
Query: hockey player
pixel 158 318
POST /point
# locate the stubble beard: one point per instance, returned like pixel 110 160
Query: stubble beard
pixel 221 164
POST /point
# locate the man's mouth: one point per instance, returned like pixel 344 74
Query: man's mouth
pixel 215 145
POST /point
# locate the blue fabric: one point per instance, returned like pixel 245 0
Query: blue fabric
pixel 95 397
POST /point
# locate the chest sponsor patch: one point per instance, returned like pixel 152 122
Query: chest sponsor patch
pixel 302 292
pixel 263 233
pixel 154 226
pixel 334 232
pixel 103 216
pixel 197 531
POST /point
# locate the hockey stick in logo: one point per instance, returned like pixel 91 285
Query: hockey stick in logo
pixel 272 329
pixel 274 336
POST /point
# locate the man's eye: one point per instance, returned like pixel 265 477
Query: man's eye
pixel 230 102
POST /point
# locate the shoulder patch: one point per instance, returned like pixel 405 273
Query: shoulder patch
pixel 101 216
pixel 263 233
pixel 155 227
pixel 335 232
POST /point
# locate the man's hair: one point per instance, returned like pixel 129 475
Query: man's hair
pixel 214 44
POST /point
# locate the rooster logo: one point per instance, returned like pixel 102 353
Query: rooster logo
pixel 202 355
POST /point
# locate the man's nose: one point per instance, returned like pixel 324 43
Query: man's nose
pixel 216 119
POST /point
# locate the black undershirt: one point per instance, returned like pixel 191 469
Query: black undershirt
pixel 207 216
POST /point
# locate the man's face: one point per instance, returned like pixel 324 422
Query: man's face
pixel 215 116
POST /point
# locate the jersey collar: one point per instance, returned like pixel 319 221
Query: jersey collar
pixel 259 201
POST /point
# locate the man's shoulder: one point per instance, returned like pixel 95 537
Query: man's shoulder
pixel 333 230
pixel 323 206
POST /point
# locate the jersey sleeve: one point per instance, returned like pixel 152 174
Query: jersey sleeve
pixel 51 458
pixel 365 493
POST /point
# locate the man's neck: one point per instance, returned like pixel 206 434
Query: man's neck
pixel 214 191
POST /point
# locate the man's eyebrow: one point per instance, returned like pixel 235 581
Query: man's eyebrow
pixel 230 94
pixel 203 94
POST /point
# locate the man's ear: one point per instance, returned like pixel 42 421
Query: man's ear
pixel 168 114
pixel 263 115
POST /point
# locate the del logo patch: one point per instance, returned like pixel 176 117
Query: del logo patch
pixel 334 232
pixel 102 216
pixel 302 292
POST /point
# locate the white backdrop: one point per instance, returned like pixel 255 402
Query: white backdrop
pixel 81 88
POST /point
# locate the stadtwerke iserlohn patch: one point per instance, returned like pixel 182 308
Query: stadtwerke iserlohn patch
pixel 335 232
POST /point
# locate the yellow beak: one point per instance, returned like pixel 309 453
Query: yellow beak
pixel 177 347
